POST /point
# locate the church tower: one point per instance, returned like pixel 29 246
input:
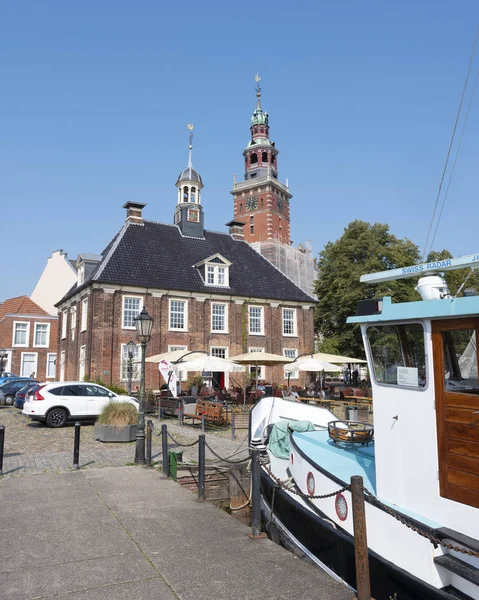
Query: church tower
pixel 261 201
pixel 189 213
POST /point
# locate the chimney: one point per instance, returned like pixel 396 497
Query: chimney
pixel 236 229
pixel 133 212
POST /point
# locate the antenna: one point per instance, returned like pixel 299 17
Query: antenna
pixel 429 268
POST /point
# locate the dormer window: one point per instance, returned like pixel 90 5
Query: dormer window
pixel 81 273
pixel 215 270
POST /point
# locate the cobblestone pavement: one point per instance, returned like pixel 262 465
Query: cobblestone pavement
pixel 33 448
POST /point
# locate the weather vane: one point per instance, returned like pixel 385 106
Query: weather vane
pixel 190 127
pixel 257 78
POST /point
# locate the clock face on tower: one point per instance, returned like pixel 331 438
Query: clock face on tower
pixel 251 203
pixel 193 215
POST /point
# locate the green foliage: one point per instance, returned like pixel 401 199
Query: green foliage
pixel 119 414
pixel 196 380
pixel 363 248
pixel 455 278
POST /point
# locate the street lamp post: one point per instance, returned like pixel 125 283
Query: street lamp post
pixel 3 355
pixel 143 323
pixel 131 346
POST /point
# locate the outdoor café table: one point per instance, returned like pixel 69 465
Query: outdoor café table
pixel 319 401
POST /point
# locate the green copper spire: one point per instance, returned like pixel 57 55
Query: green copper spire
pixel 258 117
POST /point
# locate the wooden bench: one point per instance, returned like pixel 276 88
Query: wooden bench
pixel 212 411
pixel 168 406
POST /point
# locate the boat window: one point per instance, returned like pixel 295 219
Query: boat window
pixel 398 354
pixel 460 361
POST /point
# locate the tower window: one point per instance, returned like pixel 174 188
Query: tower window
pixel 193 194
pixel 262 202
pixel 241 207
pixel 264 157
pixel 254 158
pixel 185 194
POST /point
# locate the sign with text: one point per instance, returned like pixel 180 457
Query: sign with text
pixel 408 376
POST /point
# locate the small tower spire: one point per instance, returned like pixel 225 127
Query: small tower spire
pixel 190 161
pixel 257 78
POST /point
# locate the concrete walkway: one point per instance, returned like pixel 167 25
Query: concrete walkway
pixel 122 533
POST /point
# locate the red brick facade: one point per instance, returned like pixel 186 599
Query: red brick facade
pixel 104 334
pixel 28 339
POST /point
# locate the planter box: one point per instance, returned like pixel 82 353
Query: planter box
pixel 113 433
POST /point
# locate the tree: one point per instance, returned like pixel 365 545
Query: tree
pixel 455 278
pixel 363 248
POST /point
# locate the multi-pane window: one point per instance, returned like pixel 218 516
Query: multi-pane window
pixel 289 321
pixel 216 275
pixel 21 334
pixel 41 338
pixel 219 318
pixel 178 315
pixel 29 364
pixel 219 352
pixel 81 369
pixel 51 365
pixel 73 317
pixel 257 371
pixel 84 314
pixel 256 320
pixel 292 353
pixel 64 323
pixel 135 362
pixel 131 309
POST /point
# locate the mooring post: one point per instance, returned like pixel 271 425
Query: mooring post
pixel 201 466
pixel 2 445
pixel 255 496
pixel 360 539
pixel 203 427
pixel 149 432
pixel 164 451
pixel 182 412
pixel 233 433
pixel 76 447
pixel 179 411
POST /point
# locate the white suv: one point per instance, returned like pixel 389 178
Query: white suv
pixel 57 403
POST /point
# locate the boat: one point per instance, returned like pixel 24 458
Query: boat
pixel 419 462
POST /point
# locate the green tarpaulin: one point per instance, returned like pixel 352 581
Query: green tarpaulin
pixel 278 444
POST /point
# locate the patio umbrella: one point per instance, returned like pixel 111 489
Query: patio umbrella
pixel 261 358
pixel 310 363
pixel 174 355
pixel 337 359
pixel 208 363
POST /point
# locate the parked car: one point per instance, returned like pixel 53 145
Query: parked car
pixel 5 375
pixel 24 392
pixel 10 387
pixel 57 403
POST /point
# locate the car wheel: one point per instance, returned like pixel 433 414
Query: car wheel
pixel 9 399
pixel 57 417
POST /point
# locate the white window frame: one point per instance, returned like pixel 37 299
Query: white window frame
pixel 185 314
pixel 54 361
pixel 81 273
pixel 216 274
pixel 7 362
pixel 27 337
pixel 35 345
pixel 84 314
pixel 73 317
pixel 294 374
pixel 64 323
pixel 82 363
pixel 62 365
pixel 182 375
pixel 294 322
pixel 225 328
pixel 261 308
pixel 35 354
pixel 126 297
pixel 227 375
pixel 262 368
pixel 135 363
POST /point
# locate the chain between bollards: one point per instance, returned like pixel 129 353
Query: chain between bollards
pixel 201 467
pixel 363 585
pixel 164 451
pixel 2 446
pixel 149 432
pixel 76 447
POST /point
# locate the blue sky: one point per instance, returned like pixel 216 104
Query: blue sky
pixel 362 97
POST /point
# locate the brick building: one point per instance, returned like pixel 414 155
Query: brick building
pixel 28 339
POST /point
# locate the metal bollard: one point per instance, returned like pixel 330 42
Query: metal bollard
pixel 180 411
pixel 149 431
pixel 201 467
pixel 203 423
pixel 164 451
pixel 255 495
pixel 363 585
pixel 76 447
pixel 2 446
pixel 233 433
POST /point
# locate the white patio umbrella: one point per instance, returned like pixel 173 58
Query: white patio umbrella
pixel 174 355
pixel 309 363
pixel 337 359
pixel 208 363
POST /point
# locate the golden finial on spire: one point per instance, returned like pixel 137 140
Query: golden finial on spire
pixel 257 78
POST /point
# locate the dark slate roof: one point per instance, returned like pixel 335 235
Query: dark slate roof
pixel 189 174
pixel 156 255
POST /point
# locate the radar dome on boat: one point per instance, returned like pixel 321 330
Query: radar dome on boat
pixel 433 287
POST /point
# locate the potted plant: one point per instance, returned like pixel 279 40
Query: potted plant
pixel 117 423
